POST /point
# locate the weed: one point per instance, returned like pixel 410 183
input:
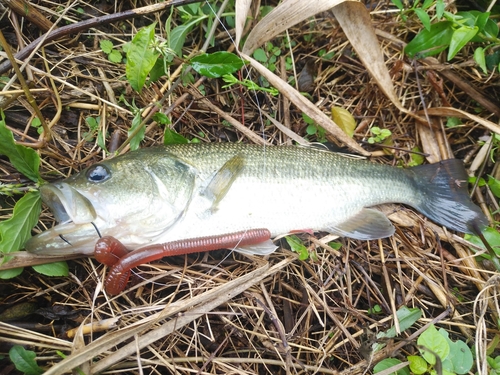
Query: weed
pixel 452 32
pixel 379 135
pixel 108 48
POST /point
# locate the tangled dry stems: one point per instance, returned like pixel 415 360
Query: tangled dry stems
pixel 291 316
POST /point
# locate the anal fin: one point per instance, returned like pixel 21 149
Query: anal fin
pixel 263 248
pixel 368 224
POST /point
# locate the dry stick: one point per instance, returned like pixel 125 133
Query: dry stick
pixel 87 24
pixel 28 11
pixel 25 87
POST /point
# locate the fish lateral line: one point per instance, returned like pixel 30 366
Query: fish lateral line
pixel 111 252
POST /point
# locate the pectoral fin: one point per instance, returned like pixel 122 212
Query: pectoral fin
pixel 220 184
pixel 368 224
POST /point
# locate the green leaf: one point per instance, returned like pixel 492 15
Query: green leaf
pixel 158 70
pixel 115 56
pixel 460 357
pixel 297 246
pixel 217 64
pixel 492 237
pixel 407 317
pixel 451 122
pixel 417 364
pixel 398 4
pixel 439 9
pixel 427 4
pixel 494 185
pixel 24 360
pixel 460 38
pixel 344 119
pixel 14 232
pixel 171 137
pixel 179 33
pixel 136 126
pixel 431 42
pixel 416 159
pixel 10 274
pixel 106 46
pixel 424 18
pixel 140 57
pixel 490 31
pixel 53 269
pixel 260 55
pixel 24 159
pixel 432 343
pixel 388 363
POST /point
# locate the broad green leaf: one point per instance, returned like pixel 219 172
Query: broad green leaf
pixel 179 33
pixel 490 31
pixel 260 55
pixel 135 142
pixel 460 357
pixel 140 57
pixel 431 42
pixel 417 364
pixel 106 46
pixel 297 246
pixel 217 64
pixel 24 159
pixel 158 70
pixel 460 38
pixel 439 9
pixel 494 185
pixel 53 269
pixel 427 4
pixel 432 343
pixel 407 317
pixel 492 237
pixel 388 363
pixel 424 18
pixel 344 119
pixel 115 56
pixel 492 60
pixel 10 274
pixel 416 159
pixel 474 18
pixel 24 360
pixel 170 137
pixel 398 4
pixel 14 232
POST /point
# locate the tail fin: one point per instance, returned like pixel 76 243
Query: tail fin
pixel 445 198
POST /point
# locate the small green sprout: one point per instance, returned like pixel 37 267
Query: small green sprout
pixel 379 135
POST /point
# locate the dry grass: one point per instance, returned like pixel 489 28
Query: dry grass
pixel 225 313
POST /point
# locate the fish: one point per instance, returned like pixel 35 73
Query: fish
pixel 169 193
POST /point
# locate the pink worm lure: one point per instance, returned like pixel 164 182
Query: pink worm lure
pixel 110 251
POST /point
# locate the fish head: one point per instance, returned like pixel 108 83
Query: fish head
pixel 134 198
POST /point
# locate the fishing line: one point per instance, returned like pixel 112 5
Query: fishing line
pixel 96 229
pixel 65 240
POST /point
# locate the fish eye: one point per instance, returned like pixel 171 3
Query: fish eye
pixel 98 173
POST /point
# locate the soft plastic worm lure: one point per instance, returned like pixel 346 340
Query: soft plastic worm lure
pixel 110 251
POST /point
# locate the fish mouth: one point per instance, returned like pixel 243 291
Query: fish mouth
pixel 67 204
pixel 75 231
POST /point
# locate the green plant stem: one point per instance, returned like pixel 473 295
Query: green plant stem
pixel 46 131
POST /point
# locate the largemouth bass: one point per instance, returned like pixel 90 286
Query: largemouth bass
pixel 177 192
